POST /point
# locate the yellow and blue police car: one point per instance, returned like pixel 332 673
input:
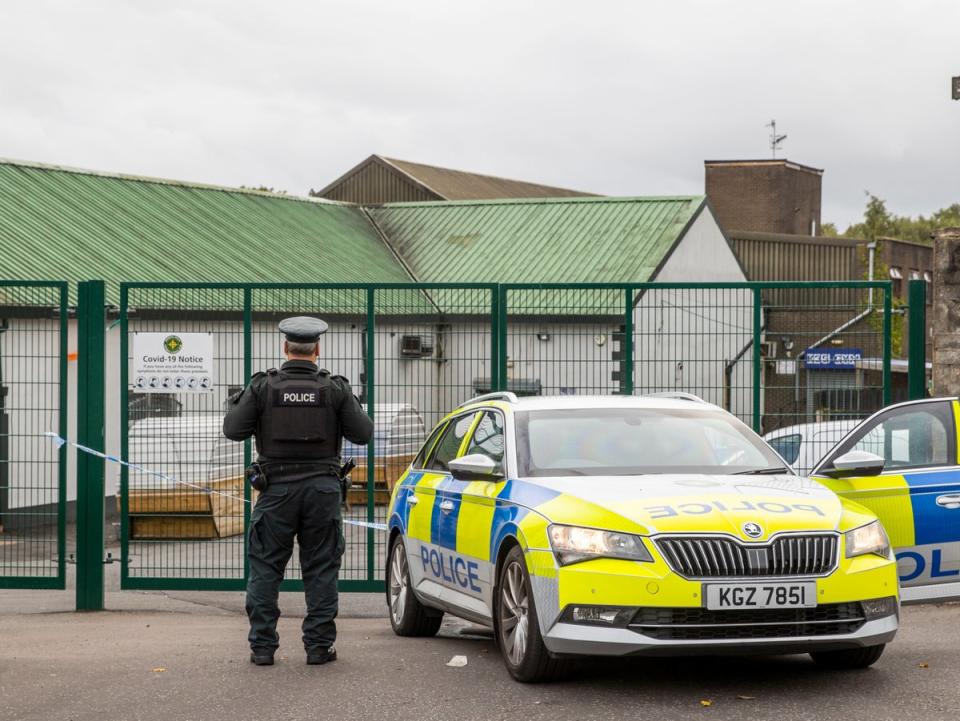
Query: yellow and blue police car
pixel 903 463
pixel 631 525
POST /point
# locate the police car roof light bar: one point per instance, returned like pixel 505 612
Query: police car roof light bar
pixel 507 396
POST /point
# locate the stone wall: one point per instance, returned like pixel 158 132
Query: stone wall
pixel 946 312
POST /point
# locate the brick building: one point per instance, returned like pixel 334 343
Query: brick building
pixel 796 321
pixel 766 196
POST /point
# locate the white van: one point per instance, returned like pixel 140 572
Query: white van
pixel 188 456
pixel 803 445
pixel 193 456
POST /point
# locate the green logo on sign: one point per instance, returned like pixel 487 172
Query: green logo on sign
pixel 172 344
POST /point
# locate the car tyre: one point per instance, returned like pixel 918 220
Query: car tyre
pixel 851 658
pixel 408 616
pixel 517 628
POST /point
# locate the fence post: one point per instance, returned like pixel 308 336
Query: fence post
pixel 494 339
pixel 247 446
pixel 124 433
pixel 626 347
pixel 887 332
pixel 917 348
pixel 757 358
pixel 91 345
pixel 503 382
pixel 370 371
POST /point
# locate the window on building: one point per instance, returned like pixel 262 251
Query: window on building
pixel 896 275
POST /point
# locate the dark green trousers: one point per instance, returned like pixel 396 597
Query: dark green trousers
pixel 310 511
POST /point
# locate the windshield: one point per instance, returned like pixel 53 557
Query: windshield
pixel 630 441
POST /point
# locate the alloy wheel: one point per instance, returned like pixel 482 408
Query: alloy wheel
pixel 514 614
pixel 399 579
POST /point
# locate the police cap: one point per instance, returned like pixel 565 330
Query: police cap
pixel 303 329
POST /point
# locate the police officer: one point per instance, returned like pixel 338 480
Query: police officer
pixel 298 414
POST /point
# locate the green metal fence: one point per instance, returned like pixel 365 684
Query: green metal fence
pixel 410 352
pixel 33 402
pixel 774 354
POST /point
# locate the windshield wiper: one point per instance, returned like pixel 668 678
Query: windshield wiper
pixel 763 471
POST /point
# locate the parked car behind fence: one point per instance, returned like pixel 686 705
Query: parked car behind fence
pixel 803 445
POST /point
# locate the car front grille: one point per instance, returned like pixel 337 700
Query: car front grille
pixel 720 557
pixel 700 624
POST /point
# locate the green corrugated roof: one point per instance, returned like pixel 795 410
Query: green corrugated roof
pixel 537 241
pixel 74 224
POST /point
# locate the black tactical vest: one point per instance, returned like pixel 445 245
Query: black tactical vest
pixel 299 418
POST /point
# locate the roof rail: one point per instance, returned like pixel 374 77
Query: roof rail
pixel 676 395
pixel 497 396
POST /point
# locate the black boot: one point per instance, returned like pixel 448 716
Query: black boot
pixel 321 655
pixel 261 657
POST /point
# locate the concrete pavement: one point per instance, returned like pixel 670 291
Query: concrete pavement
pixel 182 656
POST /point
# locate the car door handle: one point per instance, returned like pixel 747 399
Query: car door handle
pixel 950 501
pixel 446 506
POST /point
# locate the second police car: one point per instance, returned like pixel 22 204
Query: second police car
pixel 631 525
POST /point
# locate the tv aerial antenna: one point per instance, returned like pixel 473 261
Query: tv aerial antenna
pixel 775 140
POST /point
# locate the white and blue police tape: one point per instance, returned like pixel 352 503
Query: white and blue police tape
pixel 164 477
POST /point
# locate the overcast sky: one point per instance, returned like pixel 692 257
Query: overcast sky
pixel 619 98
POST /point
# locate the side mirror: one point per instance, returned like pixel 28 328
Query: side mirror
pixel 855 463
pixel 475 467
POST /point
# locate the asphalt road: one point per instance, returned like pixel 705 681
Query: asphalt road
pixel 188 662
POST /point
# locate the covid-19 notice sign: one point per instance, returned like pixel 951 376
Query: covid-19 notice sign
pixel 172 362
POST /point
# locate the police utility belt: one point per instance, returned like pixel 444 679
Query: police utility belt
pixel 259 476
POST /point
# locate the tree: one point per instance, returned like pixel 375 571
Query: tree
pixel 878 222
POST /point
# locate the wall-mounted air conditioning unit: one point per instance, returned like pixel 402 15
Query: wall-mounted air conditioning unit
pixel 416 346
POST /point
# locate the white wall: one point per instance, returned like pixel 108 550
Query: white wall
pixel 684 339
pixel 702 255
pixel 574 357
pixel 30 356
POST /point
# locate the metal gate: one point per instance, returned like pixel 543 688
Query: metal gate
pixel 409 351
pixel 33 404
pixel 413 352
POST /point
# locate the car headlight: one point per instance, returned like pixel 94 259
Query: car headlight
pixel 572 544
pixel 868 539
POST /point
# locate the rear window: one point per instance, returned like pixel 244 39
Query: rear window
pixel 787 446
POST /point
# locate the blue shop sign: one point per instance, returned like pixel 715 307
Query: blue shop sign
pixel 837 359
